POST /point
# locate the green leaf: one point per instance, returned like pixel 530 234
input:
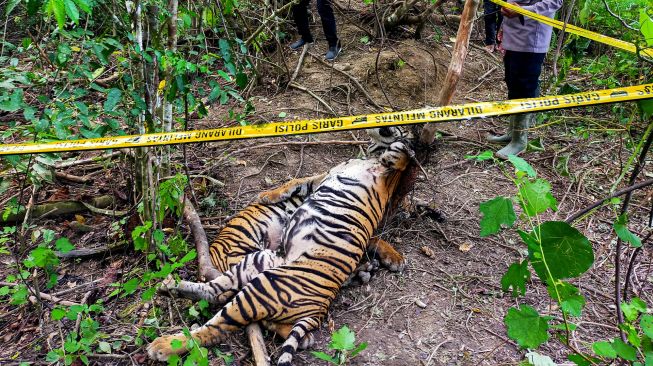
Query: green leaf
pixel 536 197
pixel 52 357
pixel 631 311
pixel 526 326
pixel 516 278
pixel 522 166
pixel 113 98
pixel 189 256
pixel 570 299
pixel 57 313
pixel 343 339
pixel 646 323
pixel 646 107
pixel 83 4
pixel 148 294
pixel 496 212
pixel 193 312
pixel 646 27
pixel 63 245
pixel 11 4
pixel 13 103
pixel 4 290
pixel 621 228
pixel 566 251
pixel 130 286
pixel 360 348
pixel 537 359
pixel 58 8
pixel 44 257
pixel 105 347
pixel 604 349
pixel 176 344
pixel 580 360
pixel 324 357
pixel 485 155
pixel 624 350
pixel 71 10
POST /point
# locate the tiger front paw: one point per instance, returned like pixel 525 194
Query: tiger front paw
pixel 394 262
pixel 161 348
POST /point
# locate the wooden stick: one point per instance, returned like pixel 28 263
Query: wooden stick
pixel 300 63
pixel 455 67
pixel 351 77
pixel 68 164
pixel 207 272
pixel 259 351
pixel 304 89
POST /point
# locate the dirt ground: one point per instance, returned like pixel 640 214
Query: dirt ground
pixel 447 307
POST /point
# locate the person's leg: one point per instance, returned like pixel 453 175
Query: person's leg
pixel 300 14
pixel 524 83
pixel 490 16
pixel 510 63
pixel 328 21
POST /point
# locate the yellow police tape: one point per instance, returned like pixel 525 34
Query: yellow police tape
pixel 627 46
pixel 437 114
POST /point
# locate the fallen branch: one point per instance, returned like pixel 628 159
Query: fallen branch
pixel 300 63
pixel 309 92
pixel 259 351
pixel 71 163
pixel 207 272
pixel 598 203
pixel 91 252
pixel 352 78
pixel 75 178
pixel 59 208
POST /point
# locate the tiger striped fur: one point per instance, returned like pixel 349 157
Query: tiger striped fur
pixel 323 242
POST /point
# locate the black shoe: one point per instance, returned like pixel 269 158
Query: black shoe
pixel 298 44
pixel 333 52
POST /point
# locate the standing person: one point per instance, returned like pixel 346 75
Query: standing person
pixel 300 13
pixel 493 18
pixel 526 42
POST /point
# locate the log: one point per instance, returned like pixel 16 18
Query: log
pixel 207 272
pixel 59 208
pixel 456 66
pixel 259 351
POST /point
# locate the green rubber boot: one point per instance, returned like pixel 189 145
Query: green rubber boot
pixel 519 139
pixel 505 137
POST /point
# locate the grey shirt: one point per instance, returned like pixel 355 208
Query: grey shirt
pixel 533 36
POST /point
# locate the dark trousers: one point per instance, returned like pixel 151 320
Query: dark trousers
pixel 300 13
pixel 493 19
pixel 523 71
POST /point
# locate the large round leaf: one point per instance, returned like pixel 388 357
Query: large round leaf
pixel 526 326
pixel 566 251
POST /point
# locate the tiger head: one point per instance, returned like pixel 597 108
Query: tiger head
pixel 383 137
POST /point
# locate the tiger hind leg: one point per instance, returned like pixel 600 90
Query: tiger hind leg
pixel 284 330
pixel 297 333
pixel 387 254
pixel 224 287
pixel 300 187
pixel 240 312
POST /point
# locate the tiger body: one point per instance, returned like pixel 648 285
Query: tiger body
pixel 323 241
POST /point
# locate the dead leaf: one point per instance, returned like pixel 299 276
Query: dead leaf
pixel 427 252
pixel 465 247
pixel 81 219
